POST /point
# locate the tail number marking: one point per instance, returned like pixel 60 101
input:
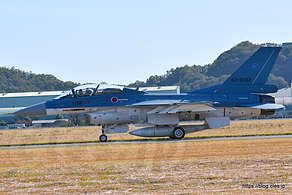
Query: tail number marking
pixel 242 80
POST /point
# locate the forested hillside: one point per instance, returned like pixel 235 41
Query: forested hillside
pixel 14 80
pixel 188 77
pixel 198 77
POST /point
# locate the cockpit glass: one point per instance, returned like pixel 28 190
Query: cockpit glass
pixel 91 90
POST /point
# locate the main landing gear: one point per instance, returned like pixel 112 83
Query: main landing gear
pixel 102 138
pixel 177 133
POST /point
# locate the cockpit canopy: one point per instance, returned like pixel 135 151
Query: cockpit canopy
pixel 91 90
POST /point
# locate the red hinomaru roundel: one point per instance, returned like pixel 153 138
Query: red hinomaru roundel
pixel 114 99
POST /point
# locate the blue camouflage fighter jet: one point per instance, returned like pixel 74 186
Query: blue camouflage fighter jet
pixel 114 107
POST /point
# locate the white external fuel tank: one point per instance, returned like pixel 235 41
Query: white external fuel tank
pixel 166 131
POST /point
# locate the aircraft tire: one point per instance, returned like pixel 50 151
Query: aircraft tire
pixel 178 133
pixel 103 138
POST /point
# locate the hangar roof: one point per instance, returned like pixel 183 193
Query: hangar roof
pixel 284 92
pixel 29 94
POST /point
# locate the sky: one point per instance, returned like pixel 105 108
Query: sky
pixel 121 41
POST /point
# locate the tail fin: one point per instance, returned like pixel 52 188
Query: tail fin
pixel 256 69
pixel 251 76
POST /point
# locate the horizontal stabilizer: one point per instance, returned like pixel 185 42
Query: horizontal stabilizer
pixel 217 122
pixel 264 106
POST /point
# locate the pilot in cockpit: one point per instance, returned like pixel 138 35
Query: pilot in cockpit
pixel 79 93
pixel 88 92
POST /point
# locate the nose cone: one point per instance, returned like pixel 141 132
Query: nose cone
pixel 35 110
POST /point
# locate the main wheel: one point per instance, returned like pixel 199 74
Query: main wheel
pixel 103 138
pixel 178 133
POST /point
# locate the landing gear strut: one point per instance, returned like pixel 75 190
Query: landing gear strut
pixel 103 138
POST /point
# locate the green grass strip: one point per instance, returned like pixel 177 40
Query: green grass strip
pixel 145 139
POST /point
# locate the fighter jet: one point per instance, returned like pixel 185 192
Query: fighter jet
pixel 114 107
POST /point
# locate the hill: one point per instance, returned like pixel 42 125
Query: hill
pixel 14 80
pixel 198 77
pixel 187 77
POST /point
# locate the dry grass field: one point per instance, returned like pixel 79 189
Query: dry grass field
pixel 163 168
pixel 46 135
pixel 212 167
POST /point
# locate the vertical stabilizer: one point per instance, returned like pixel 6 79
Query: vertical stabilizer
pixel 256 69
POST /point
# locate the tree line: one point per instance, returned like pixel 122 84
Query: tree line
pixel 14 80
pixel 197 77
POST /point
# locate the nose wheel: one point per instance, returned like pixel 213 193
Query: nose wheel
pixel 103 138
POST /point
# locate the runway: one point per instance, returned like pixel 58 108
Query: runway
pixel 145 142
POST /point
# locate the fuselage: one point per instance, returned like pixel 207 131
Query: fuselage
pixel 132 106
pixel 116 101
pixel 123 105
pixel 114 107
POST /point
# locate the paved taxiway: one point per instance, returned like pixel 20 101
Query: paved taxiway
pixel 146 142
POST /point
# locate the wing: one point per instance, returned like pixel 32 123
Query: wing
pixel 175 106
pixel 171 109
pixel 158 102
pixel 166 114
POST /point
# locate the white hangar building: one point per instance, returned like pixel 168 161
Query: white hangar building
pixel 284 97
